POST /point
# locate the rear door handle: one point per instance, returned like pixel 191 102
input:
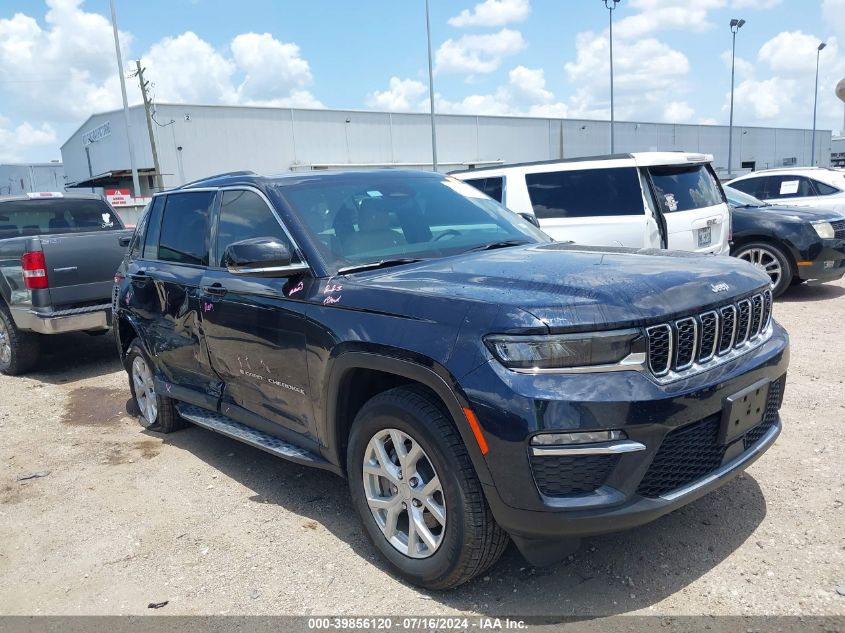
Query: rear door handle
pixel 215 290
pixel 124 240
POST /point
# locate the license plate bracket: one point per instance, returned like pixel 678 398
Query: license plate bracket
pixel 743 411
pixel 705 236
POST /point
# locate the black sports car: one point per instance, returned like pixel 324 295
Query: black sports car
pixel 791 244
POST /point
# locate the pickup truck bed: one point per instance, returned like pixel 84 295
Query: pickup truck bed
pixel 68 247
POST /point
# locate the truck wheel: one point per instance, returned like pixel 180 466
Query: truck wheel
pixel 770 259
pixel 18 350
pixel 416 491
pixel 157 412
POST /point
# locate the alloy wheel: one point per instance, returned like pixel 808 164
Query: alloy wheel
pixel 5 344
pixel 145 393
pixel 404 493
pixel 765 260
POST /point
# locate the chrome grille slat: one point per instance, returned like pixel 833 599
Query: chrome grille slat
pixel 695 343
pixel 709 339
pixel 686 331
pixel 728 337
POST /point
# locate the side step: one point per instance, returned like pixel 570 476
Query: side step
pixel 248 435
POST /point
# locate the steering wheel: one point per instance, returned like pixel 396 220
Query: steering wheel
pixel 447 233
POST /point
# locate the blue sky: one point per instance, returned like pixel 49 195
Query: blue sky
pixel 524 57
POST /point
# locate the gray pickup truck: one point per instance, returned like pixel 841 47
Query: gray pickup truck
pixel 58 256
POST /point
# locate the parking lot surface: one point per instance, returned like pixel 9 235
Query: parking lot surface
pixel 98 516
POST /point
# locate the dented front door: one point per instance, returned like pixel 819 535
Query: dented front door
pixel 256 342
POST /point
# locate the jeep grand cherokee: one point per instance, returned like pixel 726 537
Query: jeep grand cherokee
pixel 473 380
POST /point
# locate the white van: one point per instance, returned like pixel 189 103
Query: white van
pixel 648 199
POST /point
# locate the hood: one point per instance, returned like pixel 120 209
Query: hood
pixel 572 287
pixel 800 214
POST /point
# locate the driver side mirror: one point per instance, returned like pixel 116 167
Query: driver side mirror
pixel 530 217
pixel 263 257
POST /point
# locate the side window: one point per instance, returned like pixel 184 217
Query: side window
pixel 244 215
pixel 752 186
pixel 136 246
pixel 789 187
pixel 824 189
pixel 586 193
pixel 491 186
pixel 184 228
pixel 149 240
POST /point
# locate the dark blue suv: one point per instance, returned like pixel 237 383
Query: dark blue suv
pixel 473 380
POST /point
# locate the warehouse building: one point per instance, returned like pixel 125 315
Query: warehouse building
pixel 19 178
pixel 194 141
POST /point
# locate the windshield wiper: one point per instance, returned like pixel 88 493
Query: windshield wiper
pixel 495 245
pixel 382 263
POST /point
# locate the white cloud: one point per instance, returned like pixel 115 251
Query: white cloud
pixel 403 95
pixel 275 72
pixel 14 141
pixel 493 13
pixel 791 53
pixel 755 4
pixel 834 15
pixel 472 54
pixel 647 75
pixel 662 15
pixel 678 112
pixel 744 68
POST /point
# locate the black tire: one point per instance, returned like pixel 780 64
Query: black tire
pixel 472 541
pixel 788 270
pixel 166 418
pixel 23 347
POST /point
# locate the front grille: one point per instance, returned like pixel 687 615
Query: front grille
pixel 839 229
pixel 703 338
pixel 566 476
pixel 692 451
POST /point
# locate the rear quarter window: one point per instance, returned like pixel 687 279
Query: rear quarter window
pixel 685 187
pixel 20 218
pixel 585 193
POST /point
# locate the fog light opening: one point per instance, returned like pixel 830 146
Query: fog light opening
pixel 577 437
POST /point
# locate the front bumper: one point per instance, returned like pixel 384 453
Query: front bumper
pixel 522 405
pixel 826 263
pixel 89 319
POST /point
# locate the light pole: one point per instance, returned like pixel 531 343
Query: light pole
pixel 136 186
pixel 431 92
pixel 735 26
pixel 816 102
pixel 611 5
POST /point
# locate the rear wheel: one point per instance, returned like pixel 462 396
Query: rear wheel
pixel 157 412
pixel 772 260
pixel 415 489
pixel 18 350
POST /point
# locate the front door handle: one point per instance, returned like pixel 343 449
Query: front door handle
pixel 139 276
pixel 215 290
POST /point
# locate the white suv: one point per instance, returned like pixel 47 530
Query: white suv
pixel 649 199
pixel 818 187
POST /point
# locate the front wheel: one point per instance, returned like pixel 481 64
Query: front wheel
pixel 157 412
pixel 772 260
pixel 415 489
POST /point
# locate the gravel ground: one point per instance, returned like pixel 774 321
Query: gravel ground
pixel 127 517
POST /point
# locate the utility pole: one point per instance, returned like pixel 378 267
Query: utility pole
pixel 135 182
pixel 139 71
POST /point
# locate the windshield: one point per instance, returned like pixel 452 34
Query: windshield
pixel 685 187
pixel 365 218
pixel 739 199
pixel 19 218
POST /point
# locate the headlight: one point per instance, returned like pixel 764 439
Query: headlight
pixel 825 230
pixel 565 350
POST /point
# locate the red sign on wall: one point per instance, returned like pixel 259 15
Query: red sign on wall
pixel 119 197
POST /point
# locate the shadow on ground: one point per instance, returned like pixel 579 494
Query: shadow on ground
pixel 70 357
pixel 611 574
pixel 812 292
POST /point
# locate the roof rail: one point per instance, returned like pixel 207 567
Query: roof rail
pixel 216 176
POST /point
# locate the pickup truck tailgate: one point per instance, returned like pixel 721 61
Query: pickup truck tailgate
pixel 80 267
